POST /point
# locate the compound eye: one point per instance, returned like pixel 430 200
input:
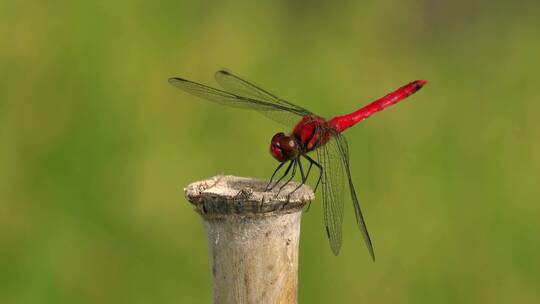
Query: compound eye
pixel 283 147
pixel 277 147
pixel 278 138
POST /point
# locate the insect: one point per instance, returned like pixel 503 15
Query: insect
pixel 310 133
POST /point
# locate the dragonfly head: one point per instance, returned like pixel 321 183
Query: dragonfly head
pixel 283 147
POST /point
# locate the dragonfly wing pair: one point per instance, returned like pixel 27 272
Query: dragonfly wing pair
pixel 338 145
pixel 245 95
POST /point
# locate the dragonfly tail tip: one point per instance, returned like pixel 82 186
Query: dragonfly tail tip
pixel 420 83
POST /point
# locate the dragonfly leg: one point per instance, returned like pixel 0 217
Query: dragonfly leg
pixel 308 206
pixel 293 162
pixel 309 170
pixel 267 188
pixel 303 181
pixel 313 162
pixel 283 176
pixel 307 175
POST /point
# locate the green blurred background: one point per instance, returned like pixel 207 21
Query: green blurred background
pixel 96 146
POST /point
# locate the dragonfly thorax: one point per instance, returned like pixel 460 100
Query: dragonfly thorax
pixel 284 147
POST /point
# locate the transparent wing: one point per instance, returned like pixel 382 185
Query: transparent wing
pixel 332 185
pixel 242 87
pixel 344 153
pixel 282 113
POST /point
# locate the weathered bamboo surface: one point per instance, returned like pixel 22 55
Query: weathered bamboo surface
pixel 253 237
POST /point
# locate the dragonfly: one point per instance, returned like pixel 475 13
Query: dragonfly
pixel 310 133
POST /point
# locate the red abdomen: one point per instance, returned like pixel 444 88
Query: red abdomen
pixel 341 123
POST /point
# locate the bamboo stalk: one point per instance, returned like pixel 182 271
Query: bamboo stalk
pixel 253 237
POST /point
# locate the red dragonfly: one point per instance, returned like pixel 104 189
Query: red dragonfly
pixel 310 133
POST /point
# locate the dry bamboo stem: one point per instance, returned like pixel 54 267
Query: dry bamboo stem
pixel 253 237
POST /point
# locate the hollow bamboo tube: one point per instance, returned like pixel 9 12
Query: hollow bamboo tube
pixel 253 237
